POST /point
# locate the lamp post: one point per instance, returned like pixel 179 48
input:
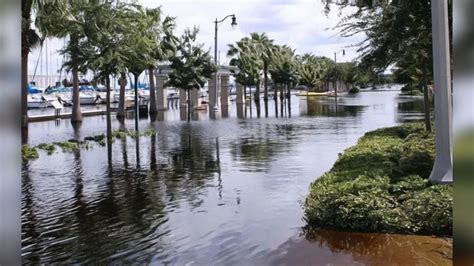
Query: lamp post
pixel 335 68
pixel 442 172
pixel 233 24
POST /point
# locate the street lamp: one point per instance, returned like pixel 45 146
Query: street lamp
pixel 335 68
pixel 233 24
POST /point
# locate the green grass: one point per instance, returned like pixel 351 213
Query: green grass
pixel 380 185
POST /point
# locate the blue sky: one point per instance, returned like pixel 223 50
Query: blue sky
pixel 301 24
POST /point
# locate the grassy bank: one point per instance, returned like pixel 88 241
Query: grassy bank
pixel 380 185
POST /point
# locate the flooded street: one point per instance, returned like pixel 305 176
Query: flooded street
pixel 223 191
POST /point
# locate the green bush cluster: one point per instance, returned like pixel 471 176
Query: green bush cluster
pixel 380 185
pixel 354 90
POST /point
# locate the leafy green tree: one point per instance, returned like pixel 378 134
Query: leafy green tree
pixel 398 32
pixel 163 45
pixel 73 24
pixel 104 48
pixel 265 48
pixel 139 53
pixel 31 38
pixel 313 70
pixel 247 61
pixel 191 66
pixel 284 68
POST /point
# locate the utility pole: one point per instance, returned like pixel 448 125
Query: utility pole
pixel 443 167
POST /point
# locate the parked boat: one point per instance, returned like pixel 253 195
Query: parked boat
pixel 35 101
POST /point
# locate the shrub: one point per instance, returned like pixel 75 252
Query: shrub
pixel 431 210
pixel 354 90
pixel 380 185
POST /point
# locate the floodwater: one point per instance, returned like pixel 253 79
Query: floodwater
pixel 220 190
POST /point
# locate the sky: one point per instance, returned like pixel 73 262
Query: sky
pixel 302 24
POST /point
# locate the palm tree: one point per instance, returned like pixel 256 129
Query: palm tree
pixel 163 45
pixel 139 53
pixel 284 67
pixel 248 62
pixel 192 67
pixel 265 48
pixel 105 46
pixel 55 22
pixel 30 38
pixel 313 70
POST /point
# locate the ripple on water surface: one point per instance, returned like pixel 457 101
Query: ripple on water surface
pixel 225 191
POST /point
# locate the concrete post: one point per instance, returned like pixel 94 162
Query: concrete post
pixel 161 92
pixel 443 167
pixel 224 90
pixel 240 110
pixel 183 97
pixel 194 98
pixel 240 93
pixel 212 93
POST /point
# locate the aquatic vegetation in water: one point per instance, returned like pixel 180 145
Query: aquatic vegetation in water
pixel 49 148
pixel 119 134
pixel 68 146
pixel 95 138
pixel 149 132
pixel 28 152
pixel 380 185
pixel 73 145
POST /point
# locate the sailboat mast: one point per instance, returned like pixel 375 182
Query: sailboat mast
pixel 47 65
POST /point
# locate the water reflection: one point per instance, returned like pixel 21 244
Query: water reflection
pixel 325 106
pixel 222 191
pixel 410 108
pixel 330 247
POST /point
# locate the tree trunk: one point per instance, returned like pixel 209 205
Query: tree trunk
pixel 109 120
pixel 152 110
pixel 121 105
pixel 426 104
pixel 137 105
pixel 189 104
pixel 76 101
pixel 245 94
pixel 282 88
pixel 257 91
pixel 265 82
pixel 24 91
pixel 275 93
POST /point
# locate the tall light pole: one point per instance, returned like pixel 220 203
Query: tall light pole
pixel 443 167
pixel 233 24
pixel 335 68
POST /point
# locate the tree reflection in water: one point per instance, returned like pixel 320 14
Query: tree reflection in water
pixel 123 217
pixel 325 106
pixel 324 247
